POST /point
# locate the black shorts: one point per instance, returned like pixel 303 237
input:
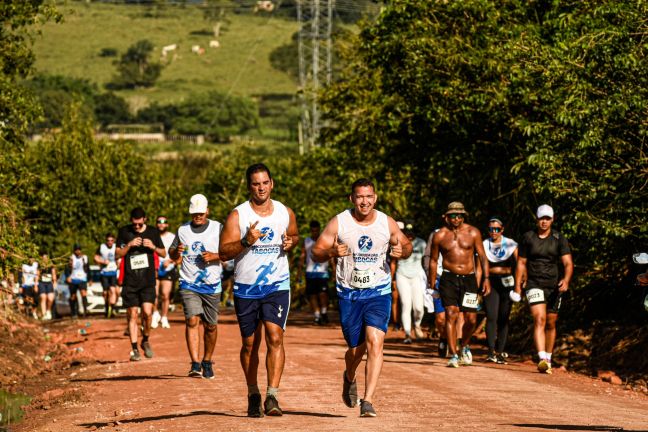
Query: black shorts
pixel 29 294
pixel 74 287
pixel 171 275
pixel 108 281
pixel 227 274
pixel 459 290
pixel 315 286
pixel 45 288
pixel 136 296
pixel 541 295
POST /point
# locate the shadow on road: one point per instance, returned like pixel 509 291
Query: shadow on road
pixel 576 427
pixel 130 378
pixel 154 418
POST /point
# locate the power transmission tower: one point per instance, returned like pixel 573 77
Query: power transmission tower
pixel 315 59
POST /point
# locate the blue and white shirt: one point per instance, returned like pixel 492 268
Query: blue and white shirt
pixel 314 270
pixel 108 254
pixel 195 274
pixel 262 268
pixel 79 264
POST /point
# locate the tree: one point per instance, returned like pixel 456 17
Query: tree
pixel 135 69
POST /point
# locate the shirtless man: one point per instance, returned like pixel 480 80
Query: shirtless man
pixel 458 242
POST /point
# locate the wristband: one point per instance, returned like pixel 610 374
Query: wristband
pixel 245 243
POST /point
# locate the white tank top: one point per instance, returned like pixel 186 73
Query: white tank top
pixel 262 268
pixel 29 273
pixel 108 253
pixel 167 241
pixel 195 274
pixel 366 268
pixel 79 274
pixel 314 270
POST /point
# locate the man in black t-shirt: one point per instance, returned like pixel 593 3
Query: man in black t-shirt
pixel 545 257
pixel 137 245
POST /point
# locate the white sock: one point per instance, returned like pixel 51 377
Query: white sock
pixel 317 314
pixel 548 356
pixel 324 310
pixel 542 355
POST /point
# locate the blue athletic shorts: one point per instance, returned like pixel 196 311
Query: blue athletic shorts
pixel 272 308
pixel 355 315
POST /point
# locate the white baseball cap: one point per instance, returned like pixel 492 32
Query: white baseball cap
pixel 400 225
pixel 198 204
pixel 545 211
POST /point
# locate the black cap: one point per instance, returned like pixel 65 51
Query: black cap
pixel 77 246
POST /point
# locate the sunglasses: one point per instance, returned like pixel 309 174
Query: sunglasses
pixel 456 216
pixel 138 225
pixel 161 221
pixel 494 229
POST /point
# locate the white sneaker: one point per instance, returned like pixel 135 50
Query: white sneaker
pixel 35 315
pixel 466 356
pixel 164 322
pixel 48 315
pixel 418 332
pixel 155 320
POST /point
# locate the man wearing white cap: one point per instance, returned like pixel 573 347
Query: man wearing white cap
pixel 200 282
pixel 541 254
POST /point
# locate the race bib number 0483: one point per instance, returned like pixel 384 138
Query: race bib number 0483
pixel 139 262
pixel 362 279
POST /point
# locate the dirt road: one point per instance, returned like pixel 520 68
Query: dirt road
pixel 416 390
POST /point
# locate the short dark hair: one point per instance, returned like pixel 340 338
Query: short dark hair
pixel 110 235
pixel 255 168
pixel 315 224
pixel 138 213
pixel 360 183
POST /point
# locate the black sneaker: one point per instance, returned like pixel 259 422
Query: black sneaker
pixel 349 392
pixel 501 359
pixel 366 409
pixel 135 355
pixel 325 319
pixel 254 405
pixel 492 358
pixel 207 369
pixel 148 351
pixel 317 321
pixel 195 371
pixel 271 407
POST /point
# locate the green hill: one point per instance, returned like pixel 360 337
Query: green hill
pixel 240 65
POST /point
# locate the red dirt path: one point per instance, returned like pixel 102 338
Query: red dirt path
pixel 416 390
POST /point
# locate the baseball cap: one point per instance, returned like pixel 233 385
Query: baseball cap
pixel 198 204
pixel 545 211
pixel 400 224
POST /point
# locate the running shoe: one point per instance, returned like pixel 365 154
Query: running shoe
pixel 408 340
pixel 366 409
pixel 325 319
pixel 504 354
pixel 155 320
pixel 501 359
pixel 254 405
pixel 317 321
pixel 549 370
pixel 195 371
pixel 207 369
pixel 543 366
pixel 443 348
pixel 349 391
pixel 148 351
pixel 418 332
pixel 135 355
pixel 492 358
pixel 454 361
pixel 164 322
pixel 271 407
pixel 466 356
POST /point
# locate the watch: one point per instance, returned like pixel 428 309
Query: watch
pixel 244 242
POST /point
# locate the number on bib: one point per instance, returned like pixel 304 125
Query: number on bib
pixel 535 295
pixel 470 300
pixel 508 281
pixel 362 279
pixel 139 262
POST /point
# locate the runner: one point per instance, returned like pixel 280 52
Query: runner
pixel 458 242
pixel 259 233
pixel 167 276
pixel 541 254
pixel 410 282
pixel 78 281
pixel 200 282
pixel 227 296
pixel 46 285
pixel 439 310
pixel 502 256
pixel 136 245
pixel 317 275
pixel 105 257
pixel 359 239
pixel 29 287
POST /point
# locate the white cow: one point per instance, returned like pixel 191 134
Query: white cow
pixel 214 44
pixel 167 49
pixel 197 49
pixel 264 5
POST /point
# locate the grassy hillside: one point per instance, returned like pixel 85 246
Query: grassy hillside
pixel 240 66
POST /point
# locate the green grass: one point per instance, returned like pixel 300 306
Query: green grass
pixel 240 66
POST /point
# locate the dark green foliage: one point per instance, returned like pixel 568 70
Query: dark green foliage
pixel 108 52
pixel 110 108
pixel 135 69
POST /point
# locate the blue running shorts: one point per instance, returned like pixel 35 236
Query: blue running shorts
pixel 355 315
pixel 272 308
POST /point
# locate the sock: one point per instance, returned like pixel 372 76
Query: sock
pixel 324 311
pixel 134 346
pixel 253 389
pixel 84 300
pixel 542 355
pixel 144 338
pixel 317 314
pixel 272 391
pixel 548 356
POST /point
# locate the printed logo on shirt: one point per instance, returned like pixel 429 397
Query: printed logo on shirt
pixel 267 234
pixel 197 247
pixel 365 244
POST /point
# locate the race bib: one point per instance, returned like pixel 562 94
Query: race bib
pixel 362 279
pixel 138 262
pixel 535 295
pixel 46 278
pixel 470 301
pixel 111 266
pixel 508 281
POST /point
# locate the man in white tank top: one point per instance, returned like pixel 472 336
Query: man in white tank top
pixel 317 276
pixel 196 245
pixel 105 257
pixel 258 234
pixel 78 281
pixel 359 239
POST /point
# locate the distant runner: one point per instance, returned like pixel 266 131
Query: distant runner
pixel 78 281
pixel 317 276
pixel 167 276
pixel 46 285
pixel 105 257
